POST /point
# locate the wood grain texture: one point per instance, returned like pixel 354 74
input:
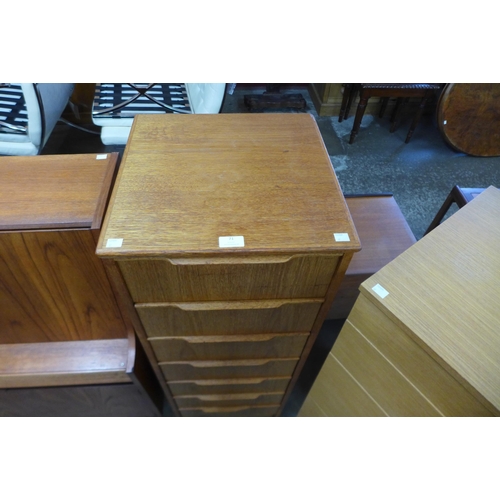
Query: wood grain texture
pixel 57 190
pixel 169 280
pixel 183 184
pixel 235 411
pixel 336 393
pixel 443 292
pixel 267 177
pixel 318 322
pixel 229 386
pixel 228 347
pixel 221 400
pixel 386 385
pixel 54 288
pixel 127 306
pixel 64 363
pixel 431 379
pixel 384 234
pixel 237 369
pixel 232 317
pixel 469 117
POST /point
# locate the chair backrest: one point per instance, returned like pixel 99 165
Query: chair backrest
pixel 205 97
pixel 43 106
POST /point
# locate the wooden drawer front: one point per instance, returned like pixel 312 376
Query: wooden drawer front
pixel 335 393
pixel 222 400
pixel 415 364
pixel 204 370
pixel 229 386
pixel 386 385
pixel 219 318
pixel 237 411
pixel 228 347
pixel 187 280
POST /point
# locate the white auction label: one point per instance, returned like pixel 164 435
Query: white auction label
pixel 231 241
pixel 380 291
pixel 101 157
pixel 114 243
pixel 341 237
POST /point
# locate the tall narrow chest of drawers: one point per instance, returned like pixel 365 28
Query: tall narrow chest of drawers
pixel 228 236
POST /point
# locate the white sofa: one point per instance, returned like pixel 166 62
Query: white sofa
pixel 29 113
pixel 116 104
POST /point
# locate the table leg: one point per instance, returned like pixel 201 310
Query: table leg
pixel 359 116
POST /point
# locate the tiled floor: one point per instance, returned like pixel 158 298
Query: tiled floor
pixel 419 175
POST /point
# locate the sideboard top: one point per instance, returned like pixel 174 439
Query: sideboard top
pixel 264 180
pixel 54 191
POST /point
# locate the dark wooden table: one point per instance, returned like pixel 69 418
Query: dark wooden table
pixel 469 117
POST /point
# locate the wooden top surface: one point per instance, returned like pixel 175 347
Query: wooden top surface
pixel 469 117
pixel 53 191
pixel 382 230
pixel 445 292
pixel 187 180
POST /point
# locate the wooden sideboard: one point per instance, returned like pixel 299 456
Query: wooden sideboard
pixel 229 237
pixel 383 233
pixel 60 322
pixel 422 338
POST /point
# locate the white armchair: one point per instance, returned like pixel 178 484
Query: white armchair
pixel 116 104
pixel 29 113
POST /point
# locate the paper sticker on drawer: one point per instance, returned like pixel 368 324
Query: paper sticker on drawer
pixel 380 291
pixel 231 241
pixel 341 237
pixel 114 243
pixel 101 157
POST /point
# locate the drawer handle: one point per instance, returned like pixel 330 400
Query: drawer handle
pixel 211 339
pixel 232 409
pixel 228 397
pixel 218 364
pixel 233 305
pixel 275 259
pixel 232 381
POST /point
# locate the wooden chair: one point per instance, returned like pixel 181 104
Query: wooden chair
pixel 459 195
pixel 402 91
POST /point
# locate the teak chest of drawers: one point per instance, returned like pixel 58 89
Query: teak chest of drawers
pixel 229 235
pixel 423 337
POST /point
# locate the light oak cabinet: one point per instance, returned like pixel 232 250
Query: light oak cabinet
pixel 229 236
pixel 422 338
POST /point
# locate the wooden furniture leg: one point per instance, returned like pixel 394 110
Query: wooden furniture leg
pixel 458 195
pixel 396 114
pixel 416 119
pixel 352 95
pixel 345 100
pixel 385 101
pixel 359 116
